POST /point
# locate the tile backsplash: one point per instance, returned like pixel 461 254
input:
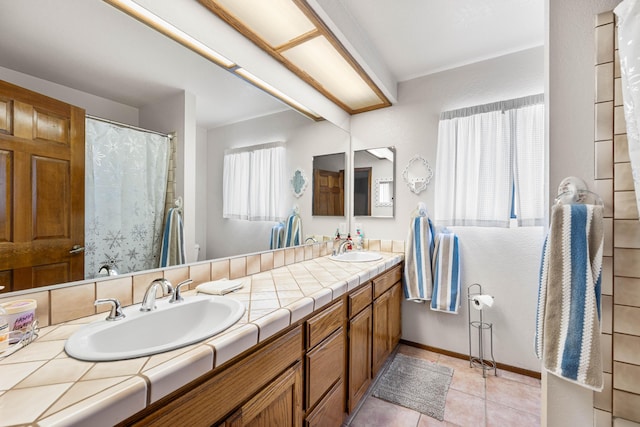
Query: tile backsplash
pixel 65 302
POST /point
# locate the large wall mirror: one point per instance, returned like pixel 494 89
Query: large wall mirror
pixel 86 63
pixel 328 185
pixel 374 182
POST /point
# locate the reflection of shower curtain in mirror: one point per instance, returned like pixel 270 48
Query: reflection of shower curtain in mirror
pixel 125 186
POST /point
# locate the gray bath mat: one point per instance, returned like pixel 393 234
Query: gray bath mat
pixel 415 384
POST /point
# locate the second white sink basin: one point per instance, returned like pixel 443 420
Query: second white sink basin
pixel 357 256
pixel 168 327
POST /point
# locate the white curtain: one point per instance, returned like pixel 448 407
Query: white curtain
pixel 125 186
pixel 628 13
pixel 253 183
pixel 484 154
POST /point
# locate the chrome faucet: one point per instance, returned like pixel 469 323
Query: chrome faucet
pixel 149 300
pixel 110 270
pixel 313 240
pixel 343 246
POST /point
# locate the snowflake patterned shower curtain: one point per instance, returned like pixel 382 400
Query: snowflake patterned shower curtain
pixel 125 187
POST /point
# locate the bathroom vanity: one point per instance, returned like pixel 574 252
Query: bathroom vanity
pixel 315 333
pixel 312 373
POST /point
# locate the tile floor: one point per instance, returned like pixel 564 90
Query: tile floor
pixel 506 400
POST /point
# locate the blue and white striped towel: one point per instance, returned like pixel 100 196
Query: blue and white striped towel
pixel 172 251
pixel 293 231
pixel 446 274
pixel 417 279
pixel 277 236
pixel 568 317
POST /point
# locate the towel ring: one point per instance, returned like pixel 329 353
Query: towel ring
pixel 577 196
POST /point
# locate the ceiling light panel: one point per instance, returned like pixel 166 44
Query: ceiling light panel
pixel 292 33
pixel 277 22
pixel 318 58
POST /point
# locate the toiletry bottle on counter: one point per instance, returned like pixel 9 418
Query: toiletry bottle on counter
pixel 359 240
pixel 350 243
pixel 337 234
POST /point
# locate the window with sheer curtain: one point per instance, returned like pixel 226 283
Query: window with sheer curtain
pixel 253 183
pixel 490 164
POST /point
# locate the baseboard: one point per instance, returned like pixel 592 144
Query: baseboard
pixel 514 369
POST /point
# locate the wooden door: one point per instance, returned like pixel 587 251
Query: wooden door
pixel 359 356
pixel 41 189
pixel 328 193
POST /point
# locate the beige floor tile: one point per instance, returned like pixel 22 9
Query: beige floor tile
pixel 379 413
pixel 514 394
pixel 464 409
pixel 502 416
pixel 468 380
pixel 418 353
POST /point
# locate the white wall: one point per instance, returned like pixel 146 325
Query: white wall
pixel 504 261
pixel 304 139
pixel 571 84
pixel 93 105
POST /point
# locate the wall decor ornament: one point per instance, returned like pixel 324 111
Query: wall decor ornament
pixel 299 182
pixel 417 174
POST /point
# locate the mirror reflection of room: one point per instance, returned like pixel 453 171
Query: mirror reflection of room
pixel 373 182
pixel 328 185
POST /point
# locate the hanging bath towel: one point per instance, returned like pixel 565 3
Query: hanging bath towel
pixel 293 231
pixel 568 317
pixel 446 274
pixel 172 252
pixel 277 236
pixel 417 279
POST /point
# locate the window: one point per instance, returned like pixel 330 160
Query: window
pixel 490 164
pixel 253 182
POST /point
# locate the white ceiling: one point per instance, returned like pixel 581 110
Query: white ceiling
pixel 90 46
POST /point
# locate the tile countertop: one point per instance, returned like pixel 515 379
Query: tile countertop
pixel 41 384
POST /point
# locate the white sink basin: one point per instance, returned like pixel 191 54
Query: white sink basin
pixel 357 256
pixel 168 327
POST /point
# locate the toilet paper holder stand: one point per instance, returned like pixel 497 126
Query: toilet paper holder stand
pixel 482 328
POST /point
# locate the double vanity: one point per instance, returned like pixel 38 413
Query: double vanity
pixel 304 352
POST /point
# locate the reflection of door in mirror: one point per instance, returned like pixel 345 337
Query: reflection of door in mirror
pixel 42 200
pixel 362 192
pixel 328 192
pixel 328 185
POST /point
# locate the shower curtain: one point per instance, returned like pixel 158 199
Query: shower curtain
pixel 628 13
pixel 125 187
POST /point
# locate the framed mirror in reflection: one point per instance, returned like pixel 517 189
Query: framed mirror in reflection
pixel 328 185
pixel 373 182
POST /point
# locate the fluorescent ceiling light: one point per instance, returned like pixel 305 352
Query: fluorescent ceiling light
pixel 382 153
pixel 154 21
pixel 291 32
pixel 275 92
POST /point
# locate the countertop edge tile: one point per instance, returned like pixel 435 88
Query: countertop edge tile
pixel 174 373
pixel 339 288
pixel 272 323
pixel 227 346
pixel 105 408
pixel 321 297
pixel 301 308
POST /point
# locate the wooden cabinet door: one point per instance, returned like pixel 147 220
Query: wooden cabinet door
pixel 360 334
pixel 395 317
pixel 380 331
pixel 278 404
pixel 330 411
pixel 41 189
pixel 325 367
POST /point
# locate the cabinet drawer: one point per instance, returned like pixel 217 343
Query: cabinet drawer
pixel 324 324
pixel 383 282
pixel 325 366
pixel 359 299
pixel 330 412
